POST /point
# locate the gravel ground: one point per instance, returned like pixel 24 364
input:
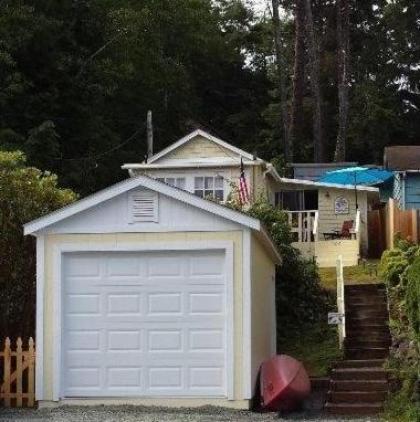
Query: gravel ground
pixel 154 414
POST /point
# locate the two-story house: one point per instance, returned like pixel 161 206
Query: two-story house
pixel 323 217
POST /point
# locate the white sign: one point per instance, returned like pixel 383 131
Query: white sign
pixel 341 205
pixel 335 318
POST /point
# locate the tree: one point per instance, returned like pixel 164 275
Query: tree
pixel 314 66
pixel 26 193
pixel 343 61
pixel 298 92
pixel 282 76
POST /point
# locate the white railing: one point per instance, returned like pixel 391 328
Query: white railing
pixel 305 224
pixel 340 301
pixel 357 223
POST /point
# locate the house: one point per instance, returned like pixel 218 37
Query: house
pixel 208 166
pixel 404 161
pixel 148 294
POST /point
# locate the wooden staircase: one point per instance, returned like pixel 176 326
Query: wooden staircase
pixel 359 384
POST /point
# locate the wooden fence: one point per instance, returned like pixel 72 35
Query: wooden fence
pixel 18 370
pixel 387 223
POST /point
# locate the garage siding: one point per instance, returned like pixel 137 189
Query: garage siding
pixel 52 241
pixel 262 307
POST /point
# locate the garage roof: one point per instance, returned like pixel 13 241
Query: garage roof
pixel 149 183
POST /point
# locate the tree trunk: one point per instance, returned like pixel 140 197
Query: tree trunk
pixel 296 118
pixel 314 66
pixel 281 72
pixel 343 47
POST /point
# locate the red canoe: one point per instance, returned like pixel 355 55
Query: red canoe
pixel 284 383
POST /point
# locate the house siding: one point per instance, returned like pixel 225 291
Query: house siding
pixel 53 241
pixel 198 147
pixel 263 291
pixel 412 191
pixel 329 220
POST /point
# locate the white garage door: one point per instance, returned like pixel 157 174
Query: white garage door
pixel 144 324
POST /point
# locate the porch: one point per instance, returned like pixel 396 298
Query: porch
pixel 325 242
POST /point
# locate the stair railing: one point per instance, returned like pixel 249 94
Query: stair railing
pixel 340 301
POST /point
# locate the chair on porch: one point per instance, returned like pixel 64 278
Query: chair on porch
pixel 346 231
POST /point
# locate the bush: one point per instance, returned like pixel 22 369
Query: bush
pixel 25 194
pixel 300 299
pixel 412 297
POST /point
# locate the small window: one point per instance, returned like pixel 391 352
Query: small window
pixel 143 207
pixel 209 187
pixel 177 182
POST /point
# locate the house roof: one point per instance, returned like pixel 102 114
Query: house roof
pixel 149 183
pixel 151 162
pixel 311 183
pixel 402 157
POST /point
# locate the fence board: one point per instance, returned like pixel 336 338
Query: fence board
pixel 18 374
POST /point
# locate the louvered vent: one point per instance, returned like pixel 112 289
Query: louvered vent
pixel 143 207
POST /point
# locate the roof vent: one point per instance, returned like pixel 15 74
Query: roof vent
pixel 143 206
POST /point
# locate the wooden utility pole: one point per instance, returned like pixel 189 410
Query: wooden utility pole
pixel 314 66
pixel 149 134
pixel 281 72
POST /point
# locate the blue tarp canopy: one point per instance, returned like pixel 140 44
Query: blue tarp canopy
pixel 357 176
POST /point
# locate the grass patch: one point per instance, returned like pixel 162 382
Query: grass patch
pixel 316 347
pixel 366 272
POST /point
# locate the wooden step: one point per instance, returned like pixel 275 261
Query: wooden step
pixel 371 287
pixel 374 333
pixel 357 307
pixel 353 374
pixel 371 343
pixel 372 299
pixel 359 385
pixel 353 322
pixel 367 363
pixel 354 408
pixel 356 396
pixel 370 353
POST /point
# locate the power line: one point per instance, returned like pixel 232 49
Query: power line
pixel 102 154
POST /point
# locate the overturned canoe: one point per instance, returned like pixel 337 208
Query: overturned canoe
pixel 284 383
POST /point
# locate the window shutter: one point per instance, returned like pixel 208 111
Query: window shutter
pixel 143 207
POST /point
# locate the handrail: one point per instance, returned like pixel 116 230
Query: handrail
pixel 340 301
pixel 304 223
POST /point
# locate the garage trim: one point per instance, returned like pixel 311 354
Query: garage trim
pixel 58 252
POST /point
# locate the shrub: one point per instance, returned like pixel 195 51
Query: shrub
pixel 412 297
pixel 25 194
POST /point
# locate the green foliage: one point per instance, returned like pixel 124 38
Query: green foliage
pixel 25 194
pixel 412 297
pixel 400 268
pixel 301 302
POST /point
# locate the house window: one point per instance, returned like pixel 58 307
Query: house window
pixel 177 182
pixel 209 187
pixel 297 200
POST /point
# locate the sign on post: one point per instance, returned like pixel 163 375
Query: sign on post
pixel 335 318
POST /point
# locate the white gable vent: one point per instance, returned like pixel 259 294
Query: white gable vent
pixel 143 206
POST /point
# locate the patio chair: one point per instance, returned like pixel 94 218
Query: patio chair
pixel 346 231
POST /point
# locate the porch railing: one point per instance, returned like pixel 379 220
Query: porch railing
pixel 304 224
pixel 340 301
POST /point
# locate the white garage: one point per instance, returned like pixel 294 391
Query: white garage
pixel 147 294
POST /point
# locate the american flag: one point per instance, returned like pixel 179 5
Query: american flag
pixel 243 186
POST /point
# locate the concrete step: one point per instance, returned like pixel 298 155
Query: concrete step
pixel 367 363
pixel 359 385
pixel 369 353
pixel 356 396
pixel 353 374
pixel 353 408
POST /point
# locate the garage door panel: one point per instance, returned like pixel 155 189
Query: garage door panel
pixel 149 324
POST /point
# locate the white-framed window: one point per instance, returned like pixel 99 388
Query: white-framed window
pixel 209 187
pixel 178 182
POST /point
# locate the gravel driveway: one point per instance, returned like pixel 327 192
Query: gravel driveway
pixel 154 414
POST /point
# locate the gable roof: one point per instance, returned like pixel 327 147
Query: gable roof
pixel 149 183
pixel 402 157
pixel 206 135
